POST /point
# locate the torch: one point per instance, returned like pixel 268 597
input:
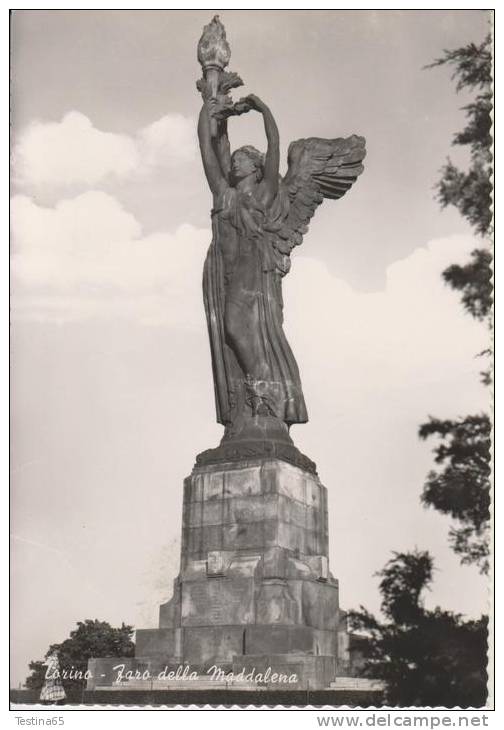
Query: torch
pixel 213 54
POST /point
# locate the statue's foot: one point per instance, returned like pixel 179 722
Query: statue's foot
pixel 256 437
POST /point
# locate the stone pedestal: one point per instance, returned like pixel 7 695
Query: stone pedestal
pixel 254 589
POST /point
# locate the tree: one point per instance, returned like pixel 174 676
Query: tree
pixel 426 657
pixel 471 192
pixel 462 488
pixel 474 281
pixel 91 638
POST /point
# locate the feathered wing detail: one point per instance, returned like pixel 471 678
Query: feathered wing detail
pixel 318 169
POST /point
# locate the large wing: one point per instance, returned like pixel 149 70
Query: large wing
pixel 318 169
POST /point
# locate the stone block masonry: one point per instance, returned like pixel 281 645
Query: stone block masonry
pixel 254 588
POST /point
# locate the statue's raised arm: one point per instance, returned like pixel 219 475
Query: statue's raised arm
pixel 257 218
pixel 272 158
pixel 209 148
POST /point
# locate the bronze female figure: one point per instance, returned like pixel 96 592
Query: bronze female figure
pixel 257 218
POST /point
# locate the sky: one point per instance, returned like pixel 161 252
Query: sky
pixel 112 394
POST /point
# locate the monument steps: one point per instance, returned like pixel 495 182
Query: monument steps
pixel 202 682
pixel 363 684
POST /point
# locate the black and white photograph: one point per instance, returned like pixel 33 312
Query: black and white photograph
pixel 251 360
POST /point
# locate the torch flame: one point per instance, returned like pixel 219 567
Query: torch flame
pixel 213 48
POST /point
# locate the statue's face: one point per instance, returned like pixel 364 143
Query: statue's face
pixel 241 165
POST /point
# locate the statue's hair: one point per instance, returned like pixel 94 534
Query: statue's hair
pixel 254 155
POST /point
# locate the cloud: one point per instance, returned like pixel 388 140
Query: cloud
pixel 74 152
pixel 413 334
pixel 169 140
pixel 87 258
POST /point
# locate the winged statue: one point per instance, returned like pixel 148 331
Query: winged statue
pixel 258 217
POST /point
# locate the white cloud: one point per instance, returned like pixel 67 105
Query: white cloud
pixel 87 258
pixel 74 152
pixel 402 337
pixel 172 138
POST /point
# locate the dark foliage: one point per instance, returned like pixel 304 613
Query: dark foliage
pixel 36 679
pixel 471 191
pixel 91 638
pixel 461 488
pixel 474 280
pixel 427 658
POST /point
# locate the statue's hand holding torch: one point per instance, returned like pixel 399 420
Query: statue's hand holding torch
pixel 214 54
pixel 248 103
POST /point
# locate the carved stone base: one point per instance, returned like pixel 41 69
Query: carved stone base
pixel 254 588
pixel 255 437
pixel 236 451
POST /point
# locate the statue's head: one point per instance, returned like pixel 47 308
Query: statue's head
pixel 247 161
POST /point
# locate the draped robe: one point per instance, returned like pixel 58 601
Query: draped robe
pixel 243 231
